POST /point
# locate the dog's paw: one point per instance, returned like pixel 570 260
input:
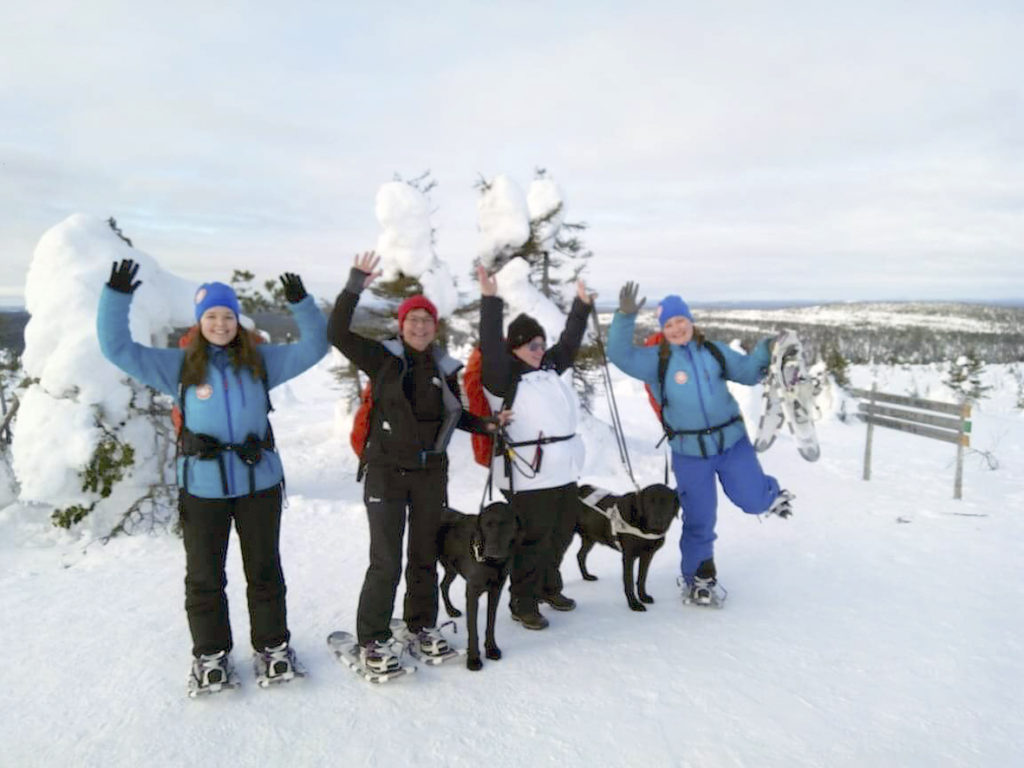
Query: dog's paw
pixel 646 599
pixel 637 606
pixel 473 663
pixel 453 612
pixel 494 653
pixel 589 577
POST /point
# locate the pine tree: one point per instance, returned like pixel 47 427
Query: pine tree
pixel 964 377
pixel 838 366
pixel 557 260
pixel 252 300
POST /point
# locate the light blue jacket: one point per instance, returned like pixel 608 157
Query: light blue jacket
pixel 232 406
pixel 696 397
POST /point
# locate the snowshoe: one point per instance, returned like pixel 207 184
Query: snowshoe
pixel 376 663
pixel 211 673
pixel 276 665
pixel 703 592
pixel 789 377
pixel 428 645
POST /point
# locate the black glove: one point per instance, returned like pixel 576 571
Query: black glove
pixel 121 276
pixel 627 299
pixel 293 288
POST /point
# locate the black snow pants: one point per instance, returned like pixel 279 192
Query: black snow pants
pixel 390 495
pixel 547 519
pixel 206 527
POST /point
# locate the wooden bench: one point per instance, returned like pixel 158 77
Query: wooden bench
pixel 948 422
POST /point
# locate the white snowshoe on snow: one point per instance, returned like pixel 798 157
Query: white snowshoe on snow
pixel 211 673
pixel 376 664
pixel 276 665
pixel 789 397
pixel 428 645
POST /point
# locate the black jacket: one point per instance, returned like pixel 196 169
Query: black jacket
pixel 397 434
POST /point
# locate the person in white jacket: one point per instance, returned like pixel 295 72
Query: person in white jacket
pixel 519 373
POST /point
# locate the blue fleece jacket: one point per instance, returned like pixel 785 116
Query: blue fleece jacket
pixel 696 395
pixel 232 404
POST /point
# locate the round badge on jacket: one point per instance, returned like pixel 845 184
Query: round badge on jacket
pixel 681 377
pixel 204 392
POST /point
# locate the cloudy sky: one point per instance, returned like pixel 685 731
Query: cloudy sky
pixel 721 150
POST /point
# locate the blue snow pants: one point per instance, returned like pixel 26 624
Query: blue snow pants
pixel 743 481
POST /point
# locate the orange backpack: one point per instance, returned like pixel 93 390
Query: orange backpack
pixel 652 341
pixel 361 422
pixel 483 445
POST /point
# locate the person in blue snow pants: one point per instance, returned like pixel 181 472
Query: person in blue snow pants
pixel 687 375
pixel 228 469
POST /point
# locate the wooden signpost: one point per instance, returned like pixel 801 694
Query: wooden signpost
pixel 948 422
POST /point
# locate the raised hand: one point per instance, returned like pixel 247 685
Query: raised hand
pixel 368 262
pixel 581 291
pixel 122 276
pixel 488 283
pixel 627 299
pixel 294 290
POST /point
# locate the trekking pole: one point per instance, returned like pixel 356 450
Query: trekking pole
pixel 613 407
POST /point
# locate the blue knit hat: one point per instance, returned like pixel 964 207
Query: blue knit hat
pixel 673 306
pixel 215 295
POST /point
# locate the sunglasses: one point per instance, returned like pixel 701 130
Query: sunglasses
pixel 535 346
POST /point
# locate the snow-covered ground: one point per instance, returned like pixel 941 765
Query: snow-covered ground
pixel 881 625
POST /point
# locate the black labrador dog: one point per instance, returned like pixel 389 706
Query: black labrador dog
pixel 478 548
pixel 634 523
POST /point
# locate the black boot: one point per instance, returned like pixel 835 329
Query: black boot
pixel 560 602
pixel 531 619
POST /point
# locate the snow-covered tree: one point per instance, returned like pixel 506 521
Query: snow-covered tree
pixel 964 377
pixel 518 233
pixel 89 442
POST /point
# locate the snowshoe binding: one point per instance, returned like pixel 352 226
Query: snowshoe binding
pixel 703 592
pixel 781 507
pixel 211 673
pixel 428 644
pixel 276 665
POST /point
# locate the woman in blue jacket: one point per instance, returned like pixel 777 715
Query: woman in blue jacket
pixel 227 467
pixel 687 375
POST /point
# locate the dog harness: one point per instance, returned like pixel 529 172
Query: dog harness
pixel 610 510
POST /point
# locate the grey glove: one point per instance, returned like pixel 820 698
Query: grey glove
pixel 356 279
pixel 627 299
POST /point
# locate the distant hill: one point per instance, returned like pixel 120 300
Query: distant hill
pixel 888 332
pixel 12 329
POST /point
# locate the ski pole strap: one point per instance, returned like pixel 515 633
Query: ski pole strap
pixel 701 434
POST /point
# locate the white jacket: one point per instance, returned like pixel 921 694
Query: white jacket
pixel 544 406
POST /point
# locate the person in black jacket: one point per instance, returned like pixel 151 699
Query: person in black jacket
pixel 521 374
pixel 416 407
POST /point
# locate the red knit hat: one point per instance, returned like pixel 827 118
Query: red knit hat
pixel 419 301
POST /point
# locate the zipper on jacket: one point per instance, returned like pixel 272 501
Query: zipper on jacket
pixel 700 392
pixel 231 430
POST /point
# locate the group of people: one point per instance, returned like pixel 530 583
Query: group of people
pixel 228 467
